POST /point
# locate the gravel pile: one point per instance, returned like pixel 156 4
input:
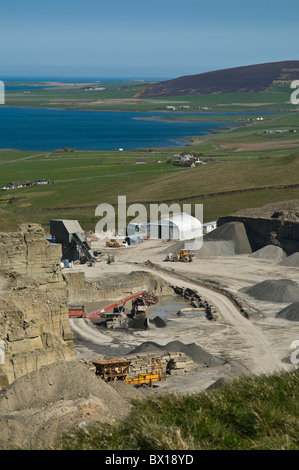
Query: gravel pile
pixel 291 261
pixel 197 354
pixel 227 240
pixel 281 290
pixel 38 407
pixel 233 232
pixel 291 312
pixel 270 252
pixel 211 248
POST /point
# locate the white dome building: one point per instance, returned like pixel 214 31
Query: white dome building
pixel 177 227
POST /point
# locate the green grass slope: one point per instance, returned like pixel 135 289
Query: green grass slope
pixel 251 413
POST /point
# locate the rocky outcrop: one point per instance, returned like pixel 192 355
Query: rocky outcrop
pixel 28 252
pixel 34 322
pixel 80 290
pixel 262 231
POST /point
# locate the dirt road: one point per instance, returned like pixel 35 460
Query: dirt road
pixel 261 357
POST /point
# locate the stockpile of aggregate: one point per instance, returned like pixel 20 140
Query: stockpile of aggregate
pixel 270 252
pixel 197 354
pixel 291 312
pixel 209 248
pixel 291 261
pixel 158 322
pixel 38 407
pixel 281 290
pixel 232 232
pixel 215 248
pixel 227 240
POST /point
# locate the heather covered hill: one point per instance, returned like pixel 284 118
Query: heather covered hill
pixel 251 78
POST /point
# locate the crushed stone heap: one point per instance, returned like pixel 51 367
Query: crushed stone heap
pixel 38 407
pixel 270 252
pixel 292 261
pixel 291 312
pixel 281 290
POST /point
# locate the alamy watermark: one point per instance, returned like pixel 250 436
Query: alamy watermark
pixel 162 222
pixel 294 95
pixel 2 93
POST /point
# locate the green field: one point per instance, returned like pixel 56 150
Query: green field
pixel 126 96
pixel 260 166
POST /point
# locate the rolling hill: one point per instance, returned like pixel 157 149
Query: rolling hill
pixel 251 78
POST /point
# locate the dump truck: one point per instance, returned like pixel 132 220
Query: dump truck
pixel 183 255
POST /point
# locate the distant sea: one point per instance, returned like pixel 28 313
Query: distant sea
pixel 48 129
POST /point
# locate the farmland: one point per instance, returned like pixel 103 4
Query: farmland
pixel 124 96
pixel 246 167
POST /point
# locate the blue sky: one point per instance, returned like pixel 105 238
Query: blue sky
pixel 159 38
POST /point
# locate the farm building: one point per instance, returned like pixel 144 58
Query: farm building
pixel 16 184
pixel 177 227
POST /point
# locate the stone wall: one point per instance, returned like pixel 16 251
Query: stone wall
pixel 34 322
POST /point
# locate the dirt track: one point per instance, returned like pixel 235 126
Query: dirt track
pixel 262 358
pixel 261 344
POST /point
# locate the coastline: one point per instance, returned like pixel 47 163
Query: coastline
pixel 174 143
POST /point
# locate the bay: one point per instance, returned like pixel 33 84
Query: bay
pixel 40 129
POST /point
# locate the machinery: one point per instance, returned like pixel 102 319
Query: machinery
pixel 71 236
pixel 140 301
pixel 148 378
pixel 184 255
pixel 77 311
pixel 113 370
pixel 113 243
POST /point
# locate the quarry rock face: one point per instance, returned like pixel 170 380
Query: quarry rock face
pixel 34 321
pixel 262 231
pixel 28 252
pixel 80 290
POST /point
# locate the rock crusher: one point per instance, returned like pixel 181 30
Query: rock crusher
pixel 113 370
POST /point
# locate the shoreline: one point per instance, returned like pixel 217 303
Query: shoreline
pixel 182 141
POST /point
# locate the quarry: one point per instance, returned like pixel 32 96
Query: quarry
pixel 233 310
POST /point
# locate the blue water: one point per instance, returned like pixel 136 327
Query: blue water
pixel 24 87
pixel 48 129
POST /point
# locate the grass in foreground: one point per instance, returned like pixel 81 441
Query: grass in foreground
pixel 251 413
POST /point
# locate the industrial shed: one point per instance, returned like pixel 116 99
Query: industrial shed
pixel 177 227
pixel 71 236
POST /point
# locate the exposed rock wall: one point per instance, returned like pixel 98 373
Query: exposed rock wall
pixel 28 252
pixel 264 231
pixel 34 322
pixel 80 290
